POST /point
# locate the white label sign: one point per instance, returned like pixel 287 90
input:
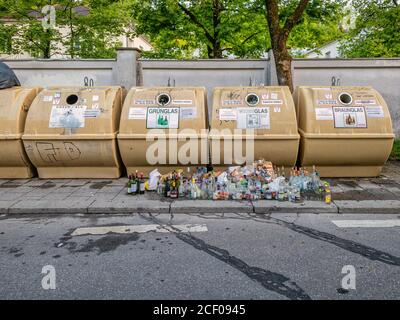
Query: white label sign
pixel 163 118
pixel 183 102
pixel 92 113
pixel 327 102
pixel 137 114
pixel 188 113
pixel 47 98
pixel 364 102
pixel 253 118
pixel 324 113
pixel 67 117
pixel 227 115
pixel 144 102
pixel 232 102
pixel 269 102
pixel 350 117
pixel 375 112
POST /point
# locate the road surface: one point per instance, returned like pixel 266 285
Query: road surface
pixel 230 256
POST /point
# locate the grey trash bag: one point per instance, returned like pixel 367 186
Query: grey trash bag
pixel 8 78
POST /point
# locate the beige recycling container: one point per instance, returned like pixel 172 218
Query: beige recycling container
pixel 71 132
pixel 345 131
pixel 262 115
pixel 14 105
pixel 164 128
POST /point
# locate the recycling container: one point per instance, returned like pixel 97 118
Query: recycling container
pixel 71 132
pixel 253 123
pixel 345 131
pixel 14 105
pixel 164 128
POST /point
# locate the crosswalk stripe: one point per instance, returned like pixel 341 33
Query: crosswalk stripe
pixel 367 223
pixel 139 229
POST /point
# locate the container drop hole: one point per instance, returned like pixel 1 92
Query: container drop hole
pixel 163 99
pixel 72 99
pixel 252 99
pixel 345 98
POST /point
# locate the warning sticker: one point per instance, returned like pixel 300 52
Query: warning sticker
pixel 324 113
pixel 227 115
pixel 253 118
pixel 188 113
pixel 137 114
pixel 350 117
pixel 67 117
pixel 163 118
pixel 375 112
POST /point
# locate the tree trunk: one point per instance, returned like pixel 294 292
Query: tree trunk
pixel 217 10
pixel 217 50
pixel 47 46
pixel 279 36
pixel 283 64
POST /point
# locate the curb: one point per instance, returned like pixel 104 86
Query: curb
pixel 138 206
pixel 369 206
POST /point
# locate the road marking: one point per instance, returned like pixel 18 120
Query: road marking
pixel 140 229
pixel 367 223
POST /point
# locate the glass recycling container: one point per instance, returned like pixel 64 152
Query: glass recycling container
pixel 253 123
pixel 71 132
pixel 14 105
pixel 164 128
pixel 345 131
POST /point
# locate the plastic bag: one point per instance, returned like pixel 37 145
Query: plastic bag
pixel 8 78
pixel 154 178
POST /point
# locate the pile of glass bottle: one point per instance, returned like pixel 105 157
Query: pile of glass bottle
pixel 256 182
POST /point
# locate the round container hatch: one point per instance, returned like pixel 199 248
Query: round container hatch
pixel 164 99
pixel 252 99
pixel 345 98
pixel 72 99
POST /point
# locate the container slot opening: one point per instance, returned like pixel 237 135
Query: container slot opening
pixel 72 99
pixel 345 98
pixel 252 99
pixel 163 99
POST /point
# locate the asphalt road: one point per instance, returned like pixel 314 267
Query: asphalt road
pixel 231 256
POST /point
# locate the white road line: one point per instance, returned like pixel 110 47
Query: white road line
pixel 367 223
pixel 140 229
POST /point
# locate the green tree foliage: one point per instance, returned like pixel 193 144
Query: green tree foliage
pixel 202 28
pixel 221 28
pixel 85 29
pixel 376 32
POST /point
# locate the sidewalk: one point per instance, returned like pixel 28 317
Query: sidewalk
pixel 371 195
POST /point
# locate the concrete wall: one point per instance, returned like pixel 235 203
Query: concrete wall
pixel 382 74
pixel 205 73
